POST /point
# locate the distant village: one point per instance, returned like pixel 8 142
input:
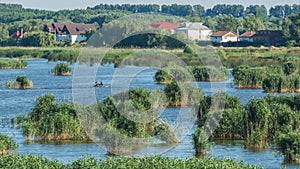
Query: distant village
pixel 195 31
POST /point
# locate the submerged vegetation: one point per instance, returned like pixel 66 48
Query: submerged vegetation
pixel 21 82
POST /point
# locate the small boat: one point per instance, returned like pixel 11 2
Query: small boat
pixel 102 86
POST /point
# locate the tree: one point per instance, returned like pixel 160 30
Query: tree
pixel 291 27
pixel 253 23
pixel 281 10
pixel 258 11
pixel 198 10
pixel 3 32
pixel 228 23
pixel 37 39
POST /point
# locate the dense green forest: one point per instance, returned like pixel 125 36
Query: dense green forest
pixel 221 17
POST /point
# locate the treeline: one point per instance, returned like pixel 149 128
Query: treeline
pixel 200 11
pixel 220 17
pixel 262 122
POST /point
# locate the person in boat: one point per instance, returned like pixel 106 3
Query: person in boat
pixel 97 84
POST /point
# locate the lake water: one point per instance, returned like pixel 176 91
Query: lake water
pixel 14 102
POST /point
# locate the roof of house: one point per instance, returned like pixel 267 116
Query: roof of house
pixel 18 34
pixel 248 34
pixel 72 28
pixel 164 25
pixel 192 26
pixel 55 27
pixel 268 33
pixel 222 33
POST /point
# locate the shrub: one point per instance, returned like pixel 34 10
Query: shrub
pixel 62 69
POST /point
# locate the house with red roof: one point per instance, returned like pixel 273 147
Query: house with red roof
pixel 247 36
pixel 74 32
pixel 164 25
pixel 224 37
pixel 268 37
pixel 18 35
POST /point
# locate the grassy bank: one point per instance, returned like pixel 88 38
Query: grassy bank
pixel 230 57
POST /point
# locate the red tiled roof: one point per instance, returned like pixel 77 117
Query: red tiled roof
pixel 268 33
pixel 56 27
pixel 72 28
pixel 164 25
pixel 221 33
pixel 248 34
pixel 18 34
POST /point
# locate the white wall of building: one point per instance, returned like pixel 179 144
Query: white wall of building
pixel 229 39
pixel 193 34
pixel 205 35
pixel 224 39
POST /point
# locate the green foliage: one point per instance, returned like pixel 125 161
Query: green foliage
pixel 61 69
pixel 188 49
pixel 41 39
pixel 165 132
pixel 260 123
pixel 134 116
pixel 180 94
pixel 50 121
pixel 280 83
pixel 21 82
pixel 162 76
pixel 200 141
pixel 6 144
pixel 29 161
pixel 12 64
pixel 249 77
pixel 290 43
pixel 256 121
pixel 291 27
pixel 289 68
pixel 226 109
pixel 173 72
pixel 253 23
pixel 289 144
pixel 35 161
pixel 209 73
pixel 225 22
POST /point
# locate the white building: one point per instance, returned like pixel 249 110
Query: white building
pixel 74 32
pixel 194 31
pixel 224 37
